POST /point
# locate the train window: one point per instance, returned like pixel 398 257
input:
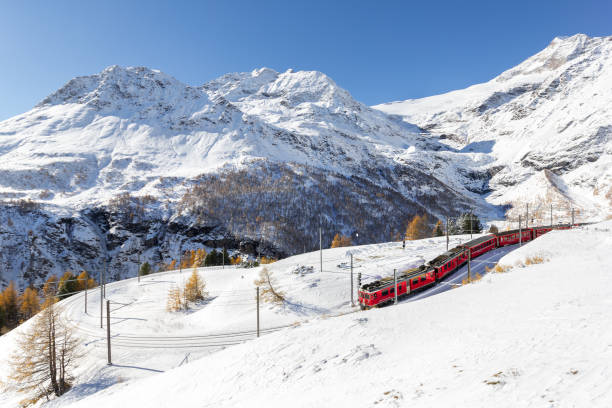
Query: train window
pixel 422 278
pixel 415 281
pixel 385 292
pixel 391 291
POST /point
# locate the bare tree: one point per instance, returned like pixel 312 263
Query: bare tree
pixel 46 353
pixel 267 284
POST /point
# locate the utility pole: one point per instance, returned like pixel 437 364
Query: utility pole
pixel 395 286
pixel 223 258
pixel 520 232
pixel 108 339
pixel 257 311
pixel 358 280
pixel 447 233
pixel 352 301
pixel 138 266
pixel 572 216
pixel 86 282
pixel 321 247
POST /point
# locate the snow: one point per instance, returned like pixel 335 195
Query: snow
pixel 536 335
pixel 549 113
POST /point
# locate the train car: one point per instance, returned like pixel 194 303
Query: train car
pixel 480 245
pixel 539 231
pixel 448 262
pixel 383 291
pixel 512 237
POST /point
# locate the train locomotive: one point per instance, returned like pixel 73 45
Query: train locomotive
pixel 381 292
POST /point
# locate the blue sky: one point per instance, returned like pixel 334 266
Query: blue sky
pixel 380 51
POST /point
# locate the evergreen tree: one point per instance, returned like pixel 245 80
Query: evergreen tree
pixel 67 285
pixel 470 223
pixel 145 269
pixel 438 230
pixel 215 258
pixel 417 229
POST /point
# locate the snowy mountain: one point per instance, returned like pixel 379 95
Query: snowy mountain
pixel 546 124
pixel 131 161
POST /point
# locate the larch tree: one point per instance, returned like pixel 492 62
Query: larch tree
pixel 85 281
pixel 47 351
pixel 195 288
pixel 268 287
pixel 10 304
pixel 417 228
pixel 29 304
pixel 341 241
pixel 175 301
pixel 67 285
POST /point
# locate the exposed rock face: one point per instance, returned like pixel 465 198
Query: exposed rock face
pixel 549 113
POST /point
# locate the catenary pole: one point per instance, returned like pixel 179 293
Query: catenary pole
pixel 108 339
pixel 138 266
pixel 551 221
pixel 572 216
pixel 321 248
pixel 101 300
pixel 352 301
pixel 520 232
pixel 469 265
pixel 395 286
pixel 527 217
pixel 447 233
pixel 471 215
pixel 257 311
pixel 86 282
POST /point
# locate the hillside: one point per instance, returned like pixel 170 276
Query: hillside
pixel 550 348
pixel 147 339
pixel 545 124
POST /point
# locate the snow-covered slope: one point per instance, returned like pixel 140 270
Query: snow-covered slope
pixel 551 348
pixel 546 122
pixel 148 339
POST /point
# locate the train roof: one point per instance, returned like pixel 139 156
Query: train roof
pixel 477 241
pixel 384 282
pixel 441 259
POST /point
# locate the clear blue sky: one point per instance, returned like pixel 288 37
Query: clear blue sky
pixel 379 50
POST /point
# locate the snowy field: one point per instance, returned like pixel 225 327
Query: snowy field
pixel 147 339
pixel 536 335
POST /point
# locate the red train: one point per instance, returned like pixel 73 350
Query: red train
pixel 382 291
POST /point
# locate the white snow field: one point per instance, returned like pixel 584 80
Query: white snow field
pixel 147 339
pixel 537 335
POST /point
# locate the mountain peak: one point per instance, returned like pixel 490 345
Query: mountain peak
pixel 115 85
